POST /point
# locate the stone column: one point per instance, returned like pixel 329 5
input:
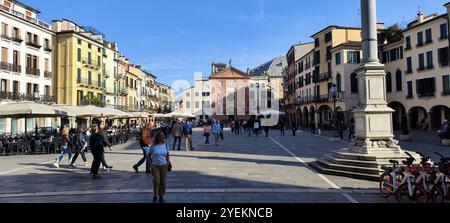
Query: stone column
pixel 374 128
pixel 408 119
pixel 429 121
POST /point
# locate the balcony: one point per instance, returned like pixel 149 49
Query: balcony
pixel 47 74
pixel 16 68
pixel 5 66
pixel 106 74
pixel 325 77
pixel 15 96
pixel 33 71
pixel 17 39
pixel 123 91
pixel 35 45
pixel 90 83
pixel 6 37
pixel 91 63
pixel 48 49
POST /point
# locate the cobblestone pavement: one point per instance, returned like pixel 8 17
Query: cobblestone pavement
pixel 240 170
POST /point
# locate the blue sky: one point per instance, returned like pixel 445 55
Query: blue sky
pixel 175 38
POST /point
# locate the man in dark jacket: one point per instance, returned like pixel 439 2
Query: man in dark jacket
pixel 79 144
pixel 145 142
pixel 97 144
pixel 102 132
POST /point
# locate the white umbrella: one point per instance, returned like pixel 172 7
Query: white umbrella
pixel 139 115
pixel 180 115
pixel 29 110
pixel 272 112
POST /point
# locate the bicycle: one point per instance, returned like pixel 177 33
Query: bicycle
pixel 392 177
pixel 409 189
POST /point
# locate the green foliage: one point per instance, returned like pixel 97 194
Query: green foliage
pixel 94 101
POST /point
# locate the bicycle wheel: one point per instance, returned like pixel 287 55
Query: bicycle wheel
pixel 403 194
pixel 386 185
pixel 420 195
pixel 437 195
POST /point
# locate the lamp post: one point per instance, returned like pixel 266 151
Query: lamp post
pixel 334 96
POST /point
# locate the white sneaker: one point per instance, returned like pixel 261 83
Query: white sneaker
pixel 56 165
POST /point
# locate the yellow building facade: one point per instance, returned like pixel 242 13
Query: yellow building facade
pixel 78 59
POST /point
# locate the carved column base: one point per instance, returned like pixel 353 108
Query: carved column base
pixel 376 146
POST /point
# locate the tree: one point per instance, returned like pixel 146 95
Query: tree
pixel 94 101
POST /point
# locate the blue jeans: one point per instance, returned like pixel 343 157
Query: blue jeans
pixel 64 150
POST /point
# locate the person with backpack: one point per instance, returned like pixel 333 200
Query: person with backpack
pixel 97 146
pixel 160 162
pixel 66 146
pixel 145 142
pixel 79 143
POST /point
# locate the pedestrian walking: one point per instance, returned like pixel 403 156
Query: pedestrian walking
pixel 294 128
pixel 282 127
pixel 145 142
pixel 207 130
pixel 79 143
pixel 217 130
pixel 237 128
pixel 161 165
pixel 232 126
pixel 341 129
pixel 66 147
pixel 266 130
pixel 103 133
pixel 187 132
pixel 97 145
pixel 256 128
pixel 177 131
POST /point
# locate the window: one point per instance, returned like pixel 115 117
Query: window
pixel 443 56
pixel 99 80
pixel 410 89
pixel 317 42
pixel 79 41
pixel 98 61
pixel 409 65
pixel 90 46
pixel 188 94
pixel 408 43
pixel 428 36
pixel 421 61
pixel 328 37
pixel 354 83
pixel 5 30
pixel 399 80
pixel 444 32
pixel 446 85
pixel 339 82
pixel 353 57
pixel 188 104
pixel 389 82
pixel 197 94
pixel 338 58
pixel 79 55
pixel 430 60
pixel 420 39
pixel 89 58
pixel 197 104
pixel 89 78
pixel 426 87
pixel 99 49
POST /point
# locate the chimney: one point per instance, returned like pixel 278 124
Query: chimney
pixel 420 17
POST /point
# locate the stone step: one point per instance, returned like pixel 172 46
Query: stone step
pixel 363 176
pixel 349 162
pixel 349 168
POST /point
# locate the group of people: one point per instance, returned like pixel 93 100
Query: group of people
pixel 81 141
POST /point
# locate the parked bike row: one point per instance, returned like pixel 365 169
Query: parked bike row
pixel 427 182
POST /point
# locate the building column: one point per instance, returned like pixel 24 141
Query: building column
pixel 429 121
pixel 408 120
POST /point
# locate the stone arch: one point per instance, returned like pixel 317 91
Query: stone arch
pixel 438 114
pixel 399 117
pixel 419 115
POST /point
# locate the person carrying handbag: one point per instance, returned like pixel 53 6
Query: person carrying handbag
pixel 160 165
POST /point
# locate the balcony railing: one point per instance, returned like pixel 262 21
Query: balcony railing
pixel 5 66
pixel 90 83
pixel 21 15
pixel 33 71
pixel 17 39
pixel 32 44
pixel 325 77
pixel 48 49
pixel 16 68
pixel 123 91
pixel 47 74
pixel 91 63
pixel 26 97
pixel 6 37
